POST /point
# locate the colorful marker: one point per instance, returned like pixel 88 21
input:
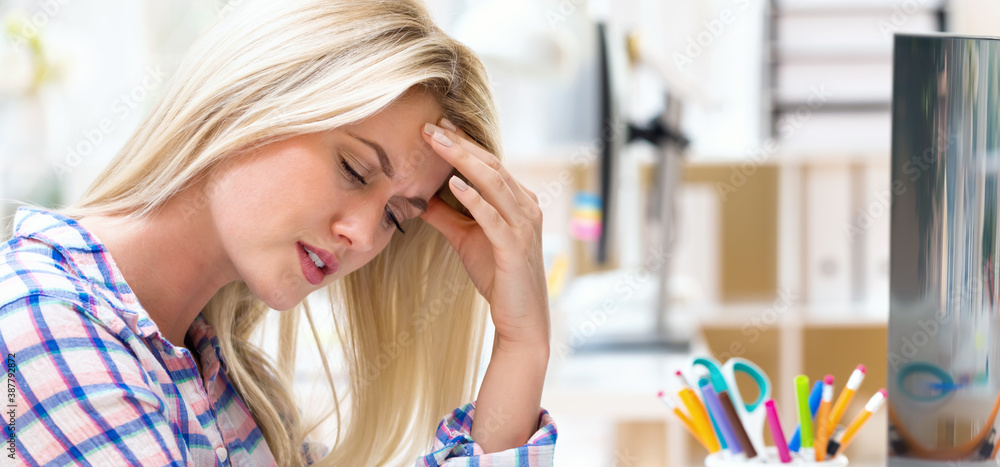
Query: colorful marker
pixel 715 424
pixel 845 396
pixel 872 406
pixel 774 424
pixel 814 399
pixel 719 415
pixel 805 419
pixel 737 424
pixel 684 418
pixel 698 415
pixel 823 419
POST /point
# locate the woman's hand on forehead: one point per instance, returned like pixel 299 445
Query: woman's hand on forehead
pixel 501 248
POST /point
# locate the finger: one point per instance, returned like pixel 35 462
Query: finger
pixel 490 183
pixel 447 220
pixel 520 193
pixel 529 193
pixel 487 216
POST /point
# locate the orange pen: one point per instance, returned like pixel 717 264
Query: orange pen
pixel 699 417
pixel 823 419
pixel 845 397
pixel 872 406
pixel 684 418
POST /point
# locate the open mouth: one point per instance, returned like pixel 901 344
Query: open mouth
pixel 313 266
pixel 315 259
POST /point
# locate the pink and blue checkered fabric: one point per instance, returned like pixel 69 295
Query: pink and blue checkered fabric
pixel 98 384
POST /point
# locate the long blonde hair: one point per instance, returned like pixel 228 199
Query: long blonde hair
pixel 410 322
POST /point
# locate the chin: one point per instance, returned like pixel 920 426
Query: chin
pixel 281 294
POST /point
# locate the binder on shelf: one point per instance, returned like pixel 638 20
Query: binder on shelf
pixel 874 211
pixel 827 249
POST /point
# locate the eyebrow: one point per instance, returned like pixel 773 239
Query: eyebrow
pixel 386 165
pixel 383 159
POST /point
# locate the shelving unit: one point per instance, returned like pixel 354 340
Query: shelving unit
pixel 833 152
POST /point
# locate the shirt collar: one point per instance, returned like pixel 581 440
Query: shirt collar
pixel 83 250
pixel 90 259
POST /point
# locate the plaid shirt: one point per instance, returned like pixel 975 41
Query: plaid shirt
pixel 97 383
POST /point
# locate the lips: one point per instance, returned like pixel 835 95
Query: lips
pixel 313 274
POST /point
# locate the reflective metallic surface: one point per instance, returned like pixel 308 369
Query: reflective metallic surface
pixel 943 320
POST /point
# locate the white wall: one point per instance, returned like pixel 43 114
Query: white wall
pixel 980 17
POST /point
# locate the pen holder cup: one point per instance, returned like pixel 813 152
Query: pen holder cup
pixel 724 459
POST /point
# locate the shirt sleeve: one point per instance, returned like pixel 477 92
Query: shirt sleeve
pixel 79 392
pixel 454 446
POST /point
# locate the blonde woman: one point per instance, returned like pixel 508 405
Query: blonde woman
pixel 343 146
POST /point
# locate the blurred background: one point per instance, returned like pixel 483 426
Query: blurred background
pixel 714 175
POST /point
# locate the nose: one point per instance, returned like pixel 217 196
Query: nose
pixel 358 228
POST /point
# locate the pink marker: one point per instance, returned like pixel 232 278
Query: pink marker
pixel 774 424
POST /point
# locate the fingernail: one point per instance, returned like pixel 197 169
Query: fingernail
pixel 459 183
pixel 430 129
pixel 447 124
pixel 441 138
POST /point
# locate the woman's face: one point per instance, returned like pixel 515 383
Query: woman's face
pixel 342 192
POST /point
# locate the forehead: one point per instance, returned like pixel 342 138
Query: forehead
pixel 397 129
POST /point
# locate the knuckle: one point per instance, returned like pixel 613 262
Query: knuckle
pixel 495 164
pixel 535 213
pixel 495 217
pixel 532 195
pixel 497 180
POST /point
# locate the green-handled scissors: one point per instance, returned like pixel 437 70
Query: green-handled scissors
pixel 723 378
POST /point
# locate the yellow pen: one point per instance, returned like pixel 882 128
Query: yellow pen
pixel 699 417
pixel 684 418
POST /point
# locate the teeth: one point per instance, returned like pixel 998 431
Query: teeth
pixel 315 259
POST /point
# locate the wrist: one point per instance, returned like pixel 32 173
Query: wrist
pixel 528 333
pixel 536 347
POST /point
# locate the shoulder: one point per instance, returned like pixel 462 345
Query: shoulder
pixel 46 309
pixel 40 286
pixel 32 268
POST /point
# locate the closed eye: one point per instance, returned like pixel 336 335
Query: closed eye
pixel 393 219
pixel 389 216
pixel 353 173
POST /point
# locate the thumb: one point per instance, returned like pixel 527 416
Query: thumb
pixel 451 223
